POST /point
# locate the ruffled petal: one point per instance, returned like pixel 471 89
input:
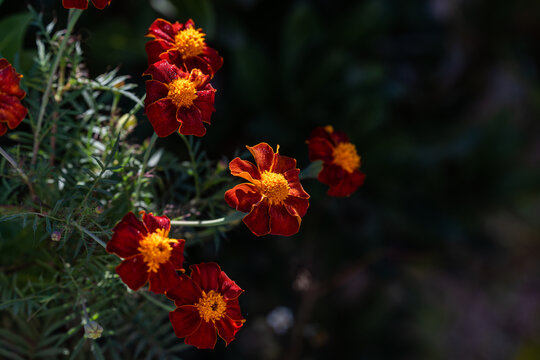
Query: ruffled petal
pixel 164 72
pixel 283 164
pixel 258 220
pixel 185 320
pixel 191 121
pixel 153 222
pixel 162 116
pixel 186 292
pixel 339 137
pixel 126 236
pixel 155 49
pixel 75 4
pixel 227 328
pixel 283 223
pixel 162 29
pixel 331 174
pixel 206 275
pixel 164 279
pixel 233 310
pixel 228 288
pixel 205 103
pixel 264 156
pixel 348 185
pixel 12 112
pixel 296 206
pixel 242 197
pixel 177 254
pixel 195 62
pixel 212 57
pixel 133 272
pixel 155 91
pixel 100 4
pixel 204 337
pixel 295 188
pixel 320 149
pixel 9 82
pixel 244 169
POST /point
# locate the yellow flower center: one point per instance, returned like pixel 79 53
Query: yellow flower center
pixel 329 129
pixel 190 42
pixel 274 186
pixel 182 92
pixel 345 155
pixel 156 249
pixel 211 306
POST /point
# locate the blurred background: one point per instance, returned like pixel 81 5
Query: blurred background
pixel 437 256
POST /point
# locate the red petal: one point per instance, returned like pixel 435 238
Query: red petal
pixel 191 121
pixel 196 62
pixel 331 174
pixel 228 288
pixel 154 50
pixel 100 4
pixel 164 72
pixel 227 328
pixel 126 236
pixel 162 29
pixel 295 188
pixel 296 206
pixel 283 223
pixel 339 137
pixel 233 310
pixel 204 337
pixel 244 169
pixel 3 129
pixel 162 116
pixel 155 91
pixel 164 279
pixel 153 222
pixel 177 254
pixel 133 272
pixel 185 320
pixel 320 149
pixel 212 57
pixel 9 82
pixel 186 292
pixel 283 164
pixel 4 63
pixel 258 220
pixel 320 132
pixel 205 103
pixel 75 4
pixel 206 275
pixel 264 156
pixel 242 197
pixel 11 110
pixel 348 185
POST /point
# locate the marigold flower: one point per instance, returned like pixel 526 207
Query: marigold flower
pixel 12 112
pixel 205 303
pixel 274 197
pixel 83 4
pixel 182 45
pixel 341 162
pixel 148 252
pixel 177 100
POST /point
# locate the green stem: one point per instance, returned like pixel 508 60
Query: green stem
pixel 193 166
pixel 210 223
pixel 143 169
pixel 312 171
pixel 10 160
pixel 156 302
pixel 73 16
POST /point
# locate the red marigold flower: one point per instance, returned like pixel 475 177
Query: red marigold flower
pixel 205 303
pixel 12 112
pixel 83 4
pixel 177 100
pixel 182 45
pixel 148 252
pixel 274 197
pixel 340 160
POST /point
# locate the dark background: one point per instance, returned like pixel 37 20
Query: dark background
pixel 437 255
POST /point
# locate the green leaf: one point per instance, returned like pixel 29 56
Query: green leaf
pixel 13 29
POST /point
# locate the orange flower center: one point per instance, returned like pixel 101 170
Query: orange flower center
pixel 211 306
pixel 345 155
pixel 274 186
pixel 156 249
pixel 190 42
pixel 182 92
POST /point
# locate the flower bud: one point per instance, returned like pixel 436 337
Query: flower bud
pixel 93 330
pixel 99 209
pixel 56 235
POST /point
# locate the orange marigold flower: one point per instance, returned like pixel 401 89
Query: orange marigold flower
pixel 341 162
pixel 177 100
pixel 148 252
pixel 274 197
pixel 182 45
pixel 83 4
pixel 12 112
pixel 205 303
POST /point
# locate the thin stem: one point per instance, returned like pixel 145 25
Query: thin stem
pixel 210 223
pixel 10 160
pixel 73 16
pixel 193 166
pixel 156 302
pixel 87 232
pixel 143 169
pixel 312 171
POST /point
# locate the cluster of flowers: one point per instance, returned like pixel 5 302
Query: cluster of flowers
pixel 179 98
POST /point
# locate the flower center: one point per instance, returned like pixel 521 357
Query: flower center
pixel 189 42
pixel 211 306
pixel 345 155
pixel 182 92
pixel 274 186
pixel 156 249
